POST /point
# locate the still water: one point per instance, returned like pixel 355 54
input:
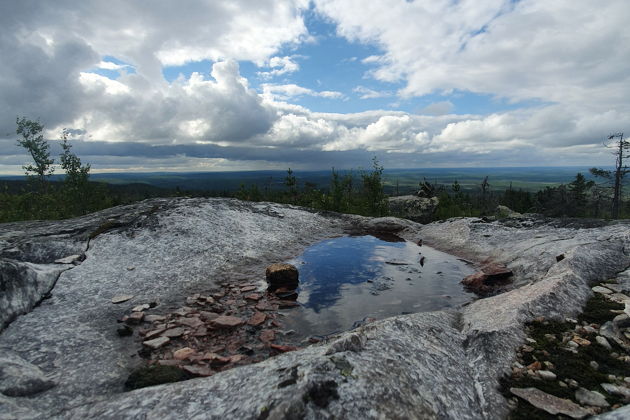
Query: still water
pixel 345 280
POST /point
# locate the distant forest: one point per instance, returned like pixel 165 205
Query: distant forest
pixel 596 193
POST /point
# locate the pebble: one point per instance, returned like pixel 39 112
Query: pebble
pixel 156 343
pixel 573 344
pixel 183 353
pixel 225 321
pixel 603 342
pixel 581 341
pixel 602 290
pixel 616 390
pixel 121 298
pixel 592 398
pixel 594 364
pixel 547 375
pixel 572 383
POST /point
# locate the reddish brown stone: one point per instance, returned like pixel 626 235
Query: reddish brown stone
pixel 154 333
pixel 286 304
pixel 225 321
pixel 208 316
pixel 266 306
pixel 257 319
pixel 173 332
pixel 198 370
pixel 183 353
pixel 237 358
pixel 535 366
pixel 190 322
pixel 253 296
pixel 201 332
pixel 267 336
pixel 248 288
pixel 282 348
pixel 169 362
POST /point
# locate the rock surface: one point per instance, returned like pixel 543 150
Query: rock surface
pixel 426 365
pixel 412 207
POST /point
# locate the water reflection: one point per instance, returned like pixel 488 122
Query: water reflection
pixel 345 280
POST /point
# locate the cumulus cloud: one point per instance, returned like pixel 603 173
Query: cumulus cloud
pixel 516 50
pixel 279 66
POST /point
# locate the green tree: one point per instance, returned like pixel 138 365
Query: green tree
pixel 578 192
pixel 373 194
pixel 33 141
pixel 290 181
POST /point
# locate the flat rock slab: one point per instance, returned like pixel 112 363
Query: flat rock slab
pixel 226 321
pixel 156 343
pixel 121 298
pixel 550 403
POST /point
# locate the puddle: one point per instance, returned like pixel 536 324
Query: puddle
pixel 344 281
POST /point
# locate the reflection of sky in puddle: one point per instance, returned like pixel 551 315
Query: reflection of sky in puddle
pixel 345 280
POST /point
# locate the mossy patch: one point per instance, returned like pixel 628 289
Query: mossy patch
pixel 597 310
pixel 155 375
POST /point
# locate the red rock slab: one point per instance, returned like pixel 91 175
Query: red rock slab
pixel 237 358
pixel 154 318
pixel 267 336
pixel 257 319
pixel 253 296
pixel 183 353
pixel 156 343
pixel 282 348
pixel 190 322
pixel 266 306
pixel 208 316
pixel 286 304
pixel 173 332
pixel 226 321
pixel 198 370
pixel 154 333
pixel 201 332
pixel 248 289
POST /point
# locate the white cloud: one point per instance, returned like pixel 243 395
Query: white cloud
pixel 438 108
pixel 108 65
pixel 289 91
pixel 367 93
pixel 279 66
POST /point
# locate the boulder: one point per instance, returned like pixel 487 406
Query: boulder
pixel 412 207
pixel 282 275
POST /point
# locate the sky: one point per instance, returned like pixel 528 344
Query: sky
pixel 220 85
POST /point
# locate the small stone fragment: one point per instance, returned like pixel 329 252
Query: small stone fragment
pixel 257 319
pixel 253 296
pixel 190 322
pixel 225 321
pixel 121 298
pixel 135 318
pixel 602 290
pixel 154 333
pixel 547 375
pixel 593 364
pixel 156 343
pixel 581 341
pixel 617 390
pixel 140 308
pixel 68 260
pixel 173 332
pixel 282 348
pixel 208 316
pixel 248 289
pixel 550 403
pixel 278 275
pixel 592 398
pixel 183 353
pixel 154 318
pixel 198 370
pixel 267 336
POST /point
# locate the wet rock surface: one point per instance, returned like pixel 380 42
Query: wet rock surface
pixel 426 365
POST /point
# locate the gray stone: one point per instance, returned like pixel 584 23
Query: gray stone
pixel 68 260
pixel 121 298
pixel 156 343
pixel 592 398
pixel 622 413
pixel 418 209
pixel 550 403
pixel 617 390
pixel 603 342
pixel 602 290
pixel 547 375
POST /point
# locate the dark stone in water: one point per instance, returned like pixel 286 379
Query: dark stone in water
pixel 282 275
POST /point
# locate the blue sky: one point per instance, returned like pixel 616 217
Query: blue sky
pixel 317 83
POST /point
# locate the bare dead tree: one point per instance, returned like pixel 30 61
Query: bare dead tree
pixel 620 147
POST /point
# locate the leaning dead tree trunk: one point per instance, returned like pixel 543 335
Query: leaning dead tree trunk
pixel 620 171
